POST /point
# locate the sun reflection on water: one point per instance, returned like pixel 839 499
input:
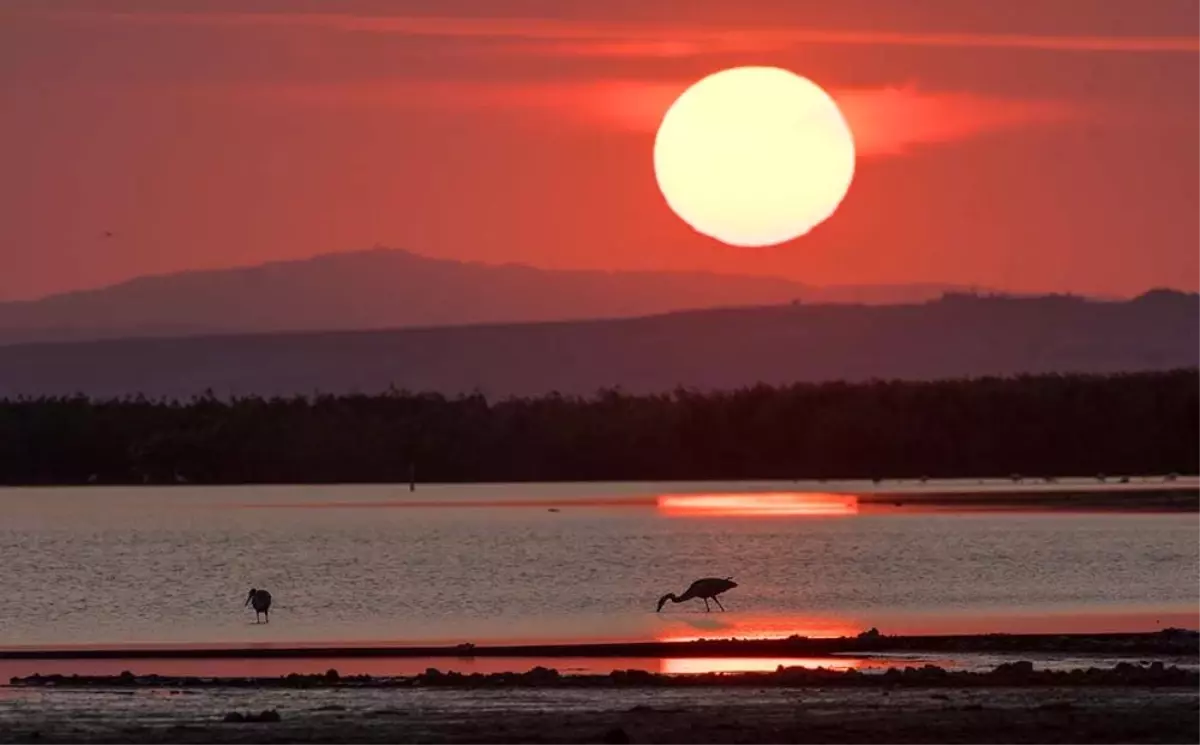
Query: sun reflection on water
pixel 700 665
pixel 393 666
pixel 772 504
pixel 737 626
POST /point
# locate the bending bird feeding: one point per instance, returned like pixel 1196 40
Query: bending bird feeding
pixel 261 600
pixel 705 589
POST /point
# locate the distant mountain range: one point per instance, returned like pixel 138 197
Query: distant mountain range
pixel 387 288
pixel 954 336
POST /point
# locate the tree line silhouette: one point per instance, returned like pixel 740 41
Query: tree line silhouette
pixel 1045 425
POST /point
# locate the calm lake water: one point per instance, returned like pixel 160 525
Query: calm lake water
pixel 564 561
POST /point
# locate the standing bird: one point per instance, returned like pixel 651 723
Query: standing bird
pixel 709 587
pixel 261 599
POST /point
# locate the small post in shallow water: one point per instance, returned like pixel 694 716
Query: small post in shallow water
pixel 412 476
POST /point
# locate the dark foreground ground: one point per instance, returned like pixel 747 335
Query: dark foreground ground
pixel 991 715
pixel 1013 703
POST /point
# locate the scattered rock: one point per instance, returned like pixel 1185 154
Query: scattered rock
pixel 267 715
pixel 542 675
pixel 633 677
pixel 386 713
pixel 1020 669
pixel 615 736
pixel 644 709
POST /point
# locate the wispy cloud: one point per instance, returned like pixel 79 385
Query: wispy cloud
pixel 557 37
pixel 885 121
pixel 892 121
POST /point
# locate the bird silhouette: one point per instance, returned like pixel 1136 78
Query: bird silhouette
pixel 709 587
pixel 261 600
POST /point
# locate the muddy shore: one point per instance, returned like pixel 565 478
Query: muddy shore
pixel 1145 699
pixel 1010 711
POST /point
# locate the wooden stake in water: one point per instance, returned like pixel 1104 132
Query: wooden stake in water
pixel 412 476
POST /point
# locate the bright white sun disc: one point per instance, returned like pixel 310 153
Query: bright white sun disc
pixel 754 156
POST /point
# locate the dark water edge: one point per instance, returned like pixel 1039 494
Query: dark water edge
pixel 1185 499
pixel 1167 641
pixel 1139 494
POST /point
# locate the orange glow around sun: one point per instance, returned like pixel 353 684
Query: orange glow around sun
pixel 754 156
pixel 774 504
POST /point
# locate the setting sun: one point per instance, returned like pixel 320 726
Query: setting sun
pixel 754 156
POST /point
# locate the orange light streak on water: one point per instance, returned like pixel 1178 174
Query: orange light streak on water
pixel 700 665
pixel 737 626
pixel 777 504
pixel 236 668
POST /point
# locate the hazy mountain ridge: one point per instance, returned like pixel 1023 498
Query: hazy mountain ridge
pixel 955 336
pixel 387 288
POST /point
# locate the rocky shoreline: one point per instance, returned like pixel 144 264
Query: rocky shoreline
pixel 1009 674
pixel 1147 698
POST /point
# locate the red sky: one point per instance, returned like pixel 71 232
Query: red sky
pixel 1051 145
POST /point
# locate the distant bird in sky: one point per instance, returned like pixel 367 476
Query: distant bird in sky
pixel 107 234
pixel 709 587
pixel 261 600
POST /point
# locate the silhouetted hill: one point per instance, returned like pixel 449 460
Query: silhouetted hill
pixel 956 336
pixel 387 288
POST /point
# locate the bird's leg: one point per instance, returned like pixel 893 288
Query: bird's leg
pixel 706 608
pixel 717 600
pixel 267 615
